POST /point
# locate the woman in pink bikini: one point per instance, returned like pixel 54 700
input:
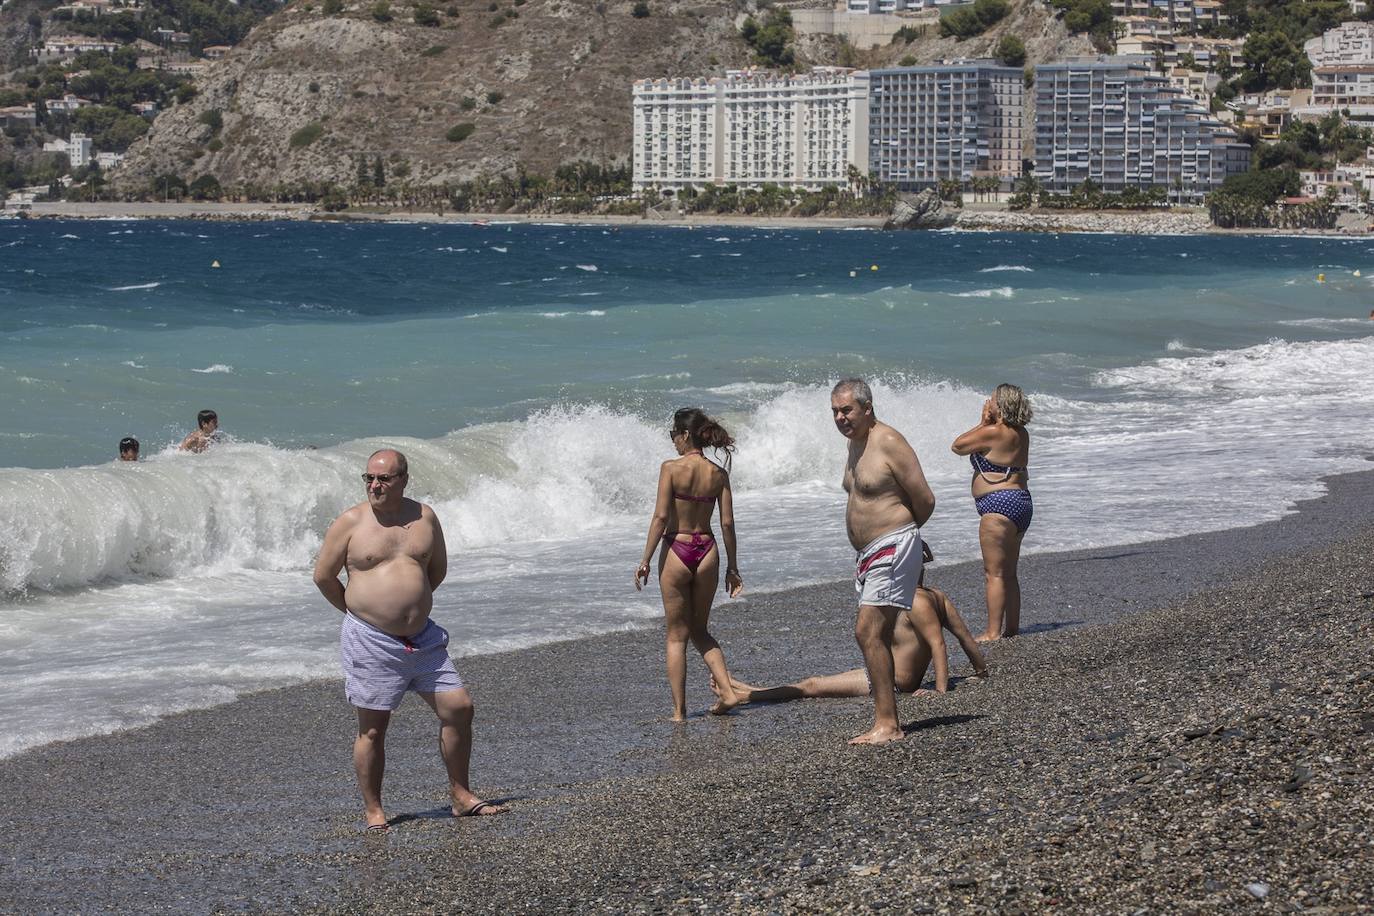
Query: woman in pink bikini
pixel 688 559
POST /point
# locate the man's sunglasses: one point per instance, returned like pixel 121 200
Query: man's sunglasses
pixel 381 478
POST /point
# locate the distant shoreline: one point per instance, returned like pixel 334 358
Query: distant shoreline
pixel 1189 221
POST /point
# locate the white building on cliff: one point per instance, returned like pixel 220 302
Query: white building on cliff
pixel 751 128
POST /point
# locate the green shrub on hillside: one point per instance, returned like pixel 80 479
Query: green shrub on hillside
pixel 1091 16
pixel 212 119
pixel 973 20
pixel 640 10
pixel 381 11
pixel 206 187
pixel 306 135
pixel 1011 51
pixel 771 41
pixel 109 128
pixel 434 50
pixel 460 132
pixel 426 15
pixel 468 103
pixel 494 97
pixel 332 7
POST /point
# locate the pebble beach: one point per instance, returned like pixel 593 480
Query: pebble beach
pixel 1187 725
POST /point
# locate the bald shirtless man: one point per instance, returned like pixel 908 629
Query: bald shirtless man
pixel 394 551
pixel 889 501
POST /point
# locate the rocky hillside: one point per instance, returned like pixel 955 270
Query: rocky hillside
pixel 485 86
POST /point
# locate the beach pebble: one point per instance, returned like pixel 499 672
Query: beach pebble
pixel 1258 889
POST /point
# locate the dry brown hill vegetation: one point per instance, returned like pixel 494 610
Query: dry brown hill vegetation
pixel 541 83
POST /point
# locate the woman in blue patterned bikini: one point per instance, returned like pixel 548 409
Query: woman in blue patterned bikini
pixel 689 489
pixel 999 450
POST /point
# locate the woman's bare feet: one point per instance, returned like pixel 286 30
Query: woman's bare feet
pixel 741 691
pixel 988 637
pixel 727 698
pixel 876 735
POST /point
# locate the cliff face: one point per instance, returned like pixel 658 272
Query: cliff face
pixel 545 86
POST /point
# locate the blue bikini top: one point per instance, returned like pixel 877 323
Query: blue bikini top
pixel 982 465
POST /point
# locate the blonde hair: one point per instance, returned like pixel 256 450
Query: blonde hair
pixel 1013 407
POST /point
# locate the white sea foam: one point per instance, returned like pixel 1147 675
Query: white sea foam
pixel 68 235
pixel 1276 368
pixel 220 545
pixel 1020 268
pixel 120 289
pixel 590 268
pixel 1339 324
pixel 498 248
pixel 1004 292
pixel 216 369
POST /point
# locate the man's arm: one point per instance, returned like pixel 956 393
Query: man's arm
pixel 333 553
pixel 906 470
pixel 438 554
pixel 192 442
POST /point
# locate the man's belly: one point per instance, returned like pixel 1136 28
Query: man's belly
pixel 868 521
pixel 393 597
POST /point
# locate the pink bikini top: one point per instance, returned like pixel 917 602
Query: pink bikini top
pixel 694 499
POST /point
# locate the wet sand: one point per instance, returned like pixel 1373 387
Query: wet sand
pixel 1188 724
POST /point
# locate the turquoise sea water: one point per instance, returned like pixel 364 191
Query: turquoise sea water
pixel 529 372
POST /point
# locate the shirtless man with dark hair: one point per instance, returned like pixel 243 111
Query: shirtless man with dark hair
pixel 393 548
pixel 889 501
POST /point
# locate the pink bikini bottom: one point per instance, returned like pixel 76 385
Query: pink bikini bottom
pixel 692 552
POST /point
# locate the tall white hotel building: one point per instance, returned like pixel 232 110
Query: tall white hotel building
pixel 1114 121
pixel 750 129
pixel 946 122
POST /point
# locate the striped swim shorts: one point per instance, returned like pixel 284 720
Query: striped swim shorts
pixel 379 668
pixel 888 569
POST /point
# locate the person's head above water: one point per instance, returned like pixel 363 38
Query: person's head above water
pixel 208 421
pixel 851 407
pixel 128 449
pixel 1013 407
pixel 701 431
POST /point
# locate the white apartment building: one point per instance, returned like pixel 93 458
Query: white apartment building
pixel 1342 73
pixel 1345 88
pixel 1199 86
pixel 1207 53
pixel 883 6
pixel 1116 122
pixel 1269 112
pixel 1346 44
pixel 1182 15
pixel 751 129
pixel 70 46
pixel 946 122
pixel 77 149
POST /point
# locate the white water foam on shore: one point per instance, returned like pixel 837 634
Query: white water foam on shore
pixel 215 549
